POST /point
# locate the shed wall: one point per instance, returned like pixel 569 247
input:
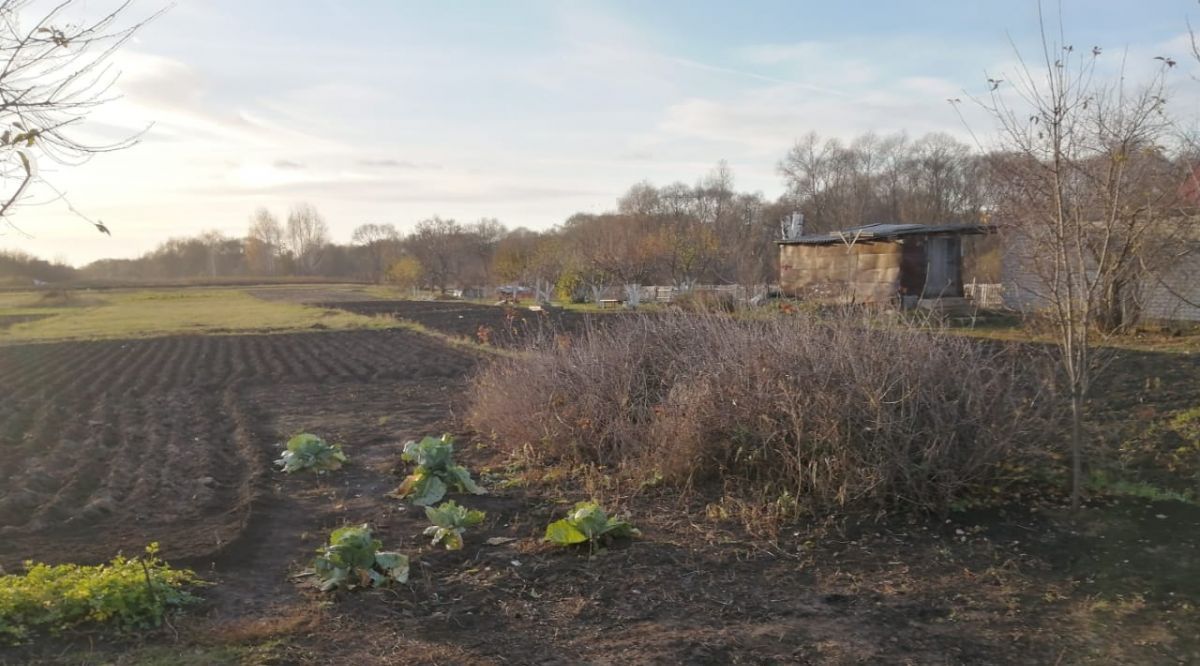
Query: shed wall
pixel 862 272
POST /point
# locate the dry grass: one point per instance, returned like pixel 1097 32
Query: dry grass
pixel 796 414
pixel 704 302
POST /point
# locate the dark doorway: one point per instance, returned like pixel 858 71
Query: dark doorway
pixel 943 274
pixel 912 266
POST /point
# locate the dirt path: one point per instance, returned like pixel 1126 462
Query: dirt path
pixel 292 516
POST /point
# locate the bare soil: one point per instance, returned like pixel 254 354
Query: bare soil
pixel 502 326
pixel 110 445
pixel 312 293
pixel 13 319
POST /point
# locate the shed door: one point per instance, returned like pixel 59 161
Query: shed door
pixel 943 278
pixel 912 266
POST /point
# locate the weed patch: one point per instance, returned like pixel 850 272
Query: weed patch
pixel 126 593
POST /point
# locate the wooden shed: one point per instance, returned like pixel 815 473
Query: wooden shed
pixel 888 264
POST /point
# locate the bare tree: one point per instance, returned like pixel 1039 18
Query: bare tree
pixel 612 249
pixel 932 180
pixel 307 236
pixel 942 182
pixel 1074 189
pixel 381 243
pixel 437 243
pixel 213 240
pixel 53 74
pixel 264 242
pixel 516 256
pixel 481 240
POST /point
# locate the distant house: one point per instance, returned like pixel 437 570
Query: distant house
pixel 515 292
pixel 1174 294
pixel 1171 293
pixel 886 264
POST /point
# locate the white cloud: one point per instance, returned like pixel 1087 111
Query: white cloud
pixel 765 120
pixel 432 123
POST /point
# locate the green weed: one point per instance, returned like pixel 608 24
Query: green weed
pixel 127 593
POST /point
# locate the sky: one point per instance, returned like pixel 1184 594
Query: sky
pixel 394 111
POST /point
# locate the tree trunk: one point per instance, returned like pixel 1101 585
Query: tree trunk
pixel 1111 317
pixel 1076 448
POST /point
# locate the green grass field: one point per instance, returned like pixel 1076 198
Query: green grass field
pixel 142 313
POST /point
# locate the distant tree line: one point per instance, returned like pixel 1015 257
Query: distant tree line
pixel 885 178
pixel 26 268
pixel 678 234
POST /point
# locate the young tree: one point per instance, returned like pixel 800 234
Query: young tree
pixel 53 74
pixel 1071 190
pixel 405 272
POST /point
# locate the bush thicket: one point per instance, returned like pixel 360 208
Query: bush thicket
pixel 831 413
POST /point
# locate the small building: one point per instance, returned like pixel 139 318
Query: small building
pixel 885 264
pixel 515 292
pixel 1169 293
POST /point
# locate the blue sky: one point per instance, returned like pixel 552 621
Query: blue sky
pixel 381 111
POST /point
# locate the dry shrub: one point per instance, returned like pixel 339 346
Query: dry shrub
pixel 817 414
pixel 704 301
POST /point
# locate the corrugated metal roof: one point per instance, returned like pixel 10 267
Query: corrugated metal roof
pixel 884 231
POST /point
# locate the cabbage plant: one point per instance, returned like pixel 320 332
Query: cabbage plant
pixel 353 559
pixel 435 473
pixel 449 522
pixel 309 452
pixel 588 523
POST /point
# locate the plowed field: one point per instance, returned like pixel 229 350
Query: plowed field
pixel 107 446
pixel 489 324
pixel 110 445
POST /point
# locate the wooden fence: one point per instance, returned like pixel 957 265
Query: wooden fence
pixel 666 293
pixel 985 295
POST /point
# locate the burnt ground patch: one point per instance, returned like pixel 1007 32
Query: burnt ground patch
pixel 503 326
